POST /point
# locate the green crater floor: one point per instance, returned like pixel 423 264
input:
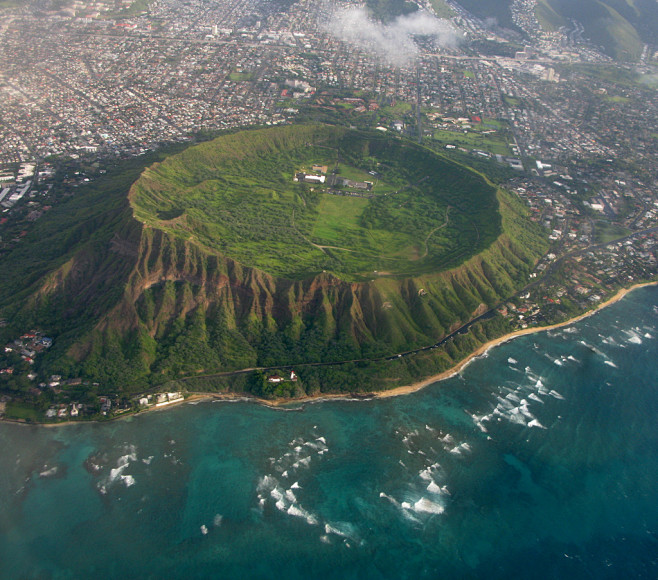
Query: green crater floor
pixel 239 195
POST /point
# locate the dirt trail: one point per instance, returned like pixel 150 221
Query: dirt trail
pixel 318 246
pixel 436 229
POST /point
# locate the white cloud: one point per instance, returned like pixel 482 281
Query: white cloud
pixel 393 41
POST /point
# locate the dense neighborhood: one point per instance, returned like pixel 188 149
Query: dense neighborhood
pixel 573 134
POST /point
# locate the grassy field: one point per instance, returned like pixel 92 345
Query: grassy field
pixel 236 195
pixel 442 9
pixel 399 109
pixel 238 77
pixel 25 412
pixel 511 101
pixel 493 142
pixel 616 99
pixel 606 232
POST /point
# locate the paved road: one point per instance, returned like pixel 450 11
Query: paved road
pixel 461 330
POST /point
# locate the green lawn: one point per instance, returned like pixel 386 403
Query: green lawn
pixel 616 99
pixel 354 173
pixel 606 232
pixel 338 220
pixel 511 101
pixel 238 77
pixel 16 410
pixel 442 9
pixel 399 109
pixel 493 142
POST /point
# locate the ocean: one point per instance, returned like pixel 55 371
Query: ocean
pixel 538 460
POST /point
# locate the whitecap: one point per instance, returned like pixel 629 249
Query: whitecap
pixel 558 362
pixel 541 389
pixel 478 421
pixel 425 474
pixel 217 520
pixel 556 395
pixel 505 403
pixel 433 488
pixel 535 398
pixel 204 530
pixel 535 423
pixel 295 485
pixel 116 472
pixel 394 501
pixel 48 472
pixel 515 416
pixel 512 361
pixel 302 463
pixel 343 529
pixel 266 483
pixel 290 496
pixel 302 513
pixel 610 363
pixel 424 505
pixel 526 412
pixel 128 480
pixel 647 335
pixel 459 449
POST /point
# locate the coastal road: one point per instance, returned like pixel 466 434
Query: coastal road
pixel 461 330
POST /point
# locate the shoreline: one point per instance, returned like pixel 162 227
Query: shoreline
pixel 405 390
pixel 417 386
pixel 394 392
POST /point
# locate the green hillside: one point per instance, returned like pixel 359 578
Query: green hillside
pixel 387 10
pixel 138 292
pixel 620 27
pixel 610 24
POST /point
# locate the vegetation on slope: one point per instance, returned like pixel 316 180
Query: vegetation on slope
pixel 386 10
pixel 159 307
pixel 604 25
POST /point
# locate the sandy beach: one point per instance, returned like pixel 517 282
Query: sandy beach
pixel 405 390
pixel 412 388
pixel 395 392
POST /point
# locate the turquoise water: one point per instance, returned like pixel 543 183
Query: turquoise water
pixel 540 460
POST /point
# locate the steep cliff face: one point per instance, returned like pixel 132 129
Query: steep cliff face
pixel 186 310
pixel 136 295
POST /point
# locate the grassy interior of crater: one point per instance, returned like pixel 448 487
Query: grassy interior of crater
pixel 378 205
